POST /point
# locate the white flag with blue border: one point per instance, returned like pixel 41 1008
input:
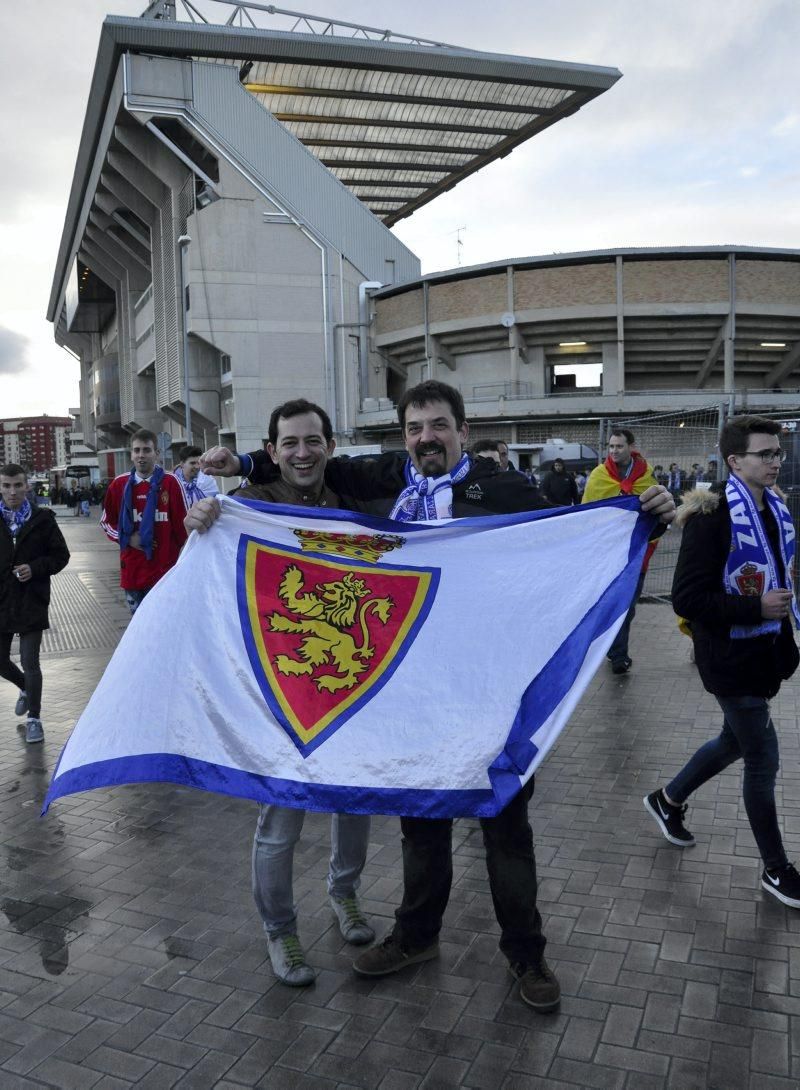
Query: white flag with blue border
pixel 332 661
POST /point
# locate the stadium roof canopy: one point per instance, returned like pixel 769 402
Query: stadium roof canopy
pixel 397 119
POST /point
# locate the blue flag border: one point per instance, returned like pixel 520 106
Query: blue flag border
pixel 542 696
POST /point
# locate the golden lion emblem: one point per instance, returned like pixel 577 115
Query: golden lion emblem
pixel 325 613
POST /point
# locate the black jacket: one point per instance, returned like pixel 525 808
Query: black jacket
pixel 40 543
pixel 749 667
pixel 560 488
pixel 373 483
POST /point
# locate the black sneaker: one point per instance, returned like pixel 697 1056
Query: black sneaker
pixel 621 666
pixel 783 883
pixel 21 705
pixel 669 818
pixel 538 986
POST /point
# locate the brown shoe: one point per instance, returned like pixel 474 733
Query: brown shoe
pixel 390 957
pixel 538 986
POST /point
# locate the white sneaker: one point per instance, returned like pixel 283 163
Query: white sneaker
pixel 352 921
pixel 289 962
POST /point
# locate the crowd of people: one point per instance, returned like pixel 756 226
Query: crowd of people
pixel 733 587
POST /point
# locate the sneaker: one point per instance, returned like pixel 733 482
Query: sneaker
pixel 389 957
pixel 538 986
pixel 783 883
pixel 352 921
pixel 289 962
pixel 34 732
pixel 669 818
pixel 621 666
pixel 21 705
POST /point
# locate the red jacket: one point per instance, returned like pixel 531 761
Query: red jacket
pixel 136 571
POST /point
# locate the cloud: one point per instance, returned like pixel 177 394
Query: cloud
pixel 786 126
pixel 13 351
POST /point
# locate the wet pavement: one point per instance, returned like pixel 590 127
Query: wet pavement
pixel 131 953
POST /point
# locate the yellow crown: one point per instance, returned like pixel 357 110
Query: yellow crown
pixel 369 547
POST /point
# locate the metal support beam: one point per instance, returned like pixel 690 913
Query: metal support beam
pixel 620 292
pixel 388 145
pixel 787 364
pixel 707 366
pixel 426 321
pixel 274 90
pixel 392 365
pixel 729 343
pixel 378 164
pixel 538 365
pixel 518 343
pixel 411 126
pixel 441 354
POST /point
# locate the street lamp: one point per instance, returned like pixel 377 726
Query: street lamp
pixel 183 243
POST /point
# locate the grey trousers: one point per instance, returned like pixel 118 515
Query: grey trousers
pixel 277 832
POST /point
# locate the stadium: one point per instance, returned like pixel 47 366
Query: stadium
pixel 228 244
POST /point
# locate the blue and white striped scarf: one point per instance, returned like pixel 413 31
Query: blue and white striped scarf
pixel 751 568
pixel 427 498
pixel 191 489
pixel 15 518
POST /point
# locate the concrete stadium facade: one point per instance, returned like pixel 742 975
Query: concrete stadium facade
pixel 230 212
pixel 616 333
pixel 227 246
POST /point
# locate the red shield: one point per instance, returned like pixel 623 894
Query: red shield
pixel 750 580
pixel 324 636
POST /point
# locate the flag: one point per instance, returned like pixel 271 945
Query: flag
pixel 327 660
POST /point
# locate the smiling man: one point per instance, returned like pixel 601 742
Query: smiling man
pixel 733 583
pixel 436 479
pixel 300 442
pixel 143 513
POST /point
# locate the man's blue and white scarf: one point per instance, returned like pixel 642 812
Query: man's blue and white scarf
pixel 191 489
pixel 127 522
pixel 427 498
pixel 15 518
pixel 751 568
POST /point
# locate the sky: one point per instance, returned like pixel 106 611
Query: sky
pixel 697 144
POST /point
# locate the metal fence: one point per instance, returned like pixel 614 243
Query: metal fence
pixel 689 438
pixel 686 439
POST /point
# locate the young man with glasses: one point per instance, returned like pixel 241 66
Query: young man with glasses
pixel 733 583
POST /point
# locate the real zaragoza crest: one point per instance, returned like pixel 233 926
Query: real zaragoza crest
pixel 750 578
pixel 325 626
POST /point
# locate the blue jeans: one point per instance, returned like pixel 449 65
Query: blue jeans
pixel 748 734
pixel 510 862
pixel 618 651
pixel 277 832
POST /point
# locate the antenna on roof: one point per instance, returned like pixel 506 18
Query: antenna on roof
pixel 459 243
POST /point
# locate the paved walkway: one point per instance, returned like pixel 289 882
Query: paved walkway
pixel 131 954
